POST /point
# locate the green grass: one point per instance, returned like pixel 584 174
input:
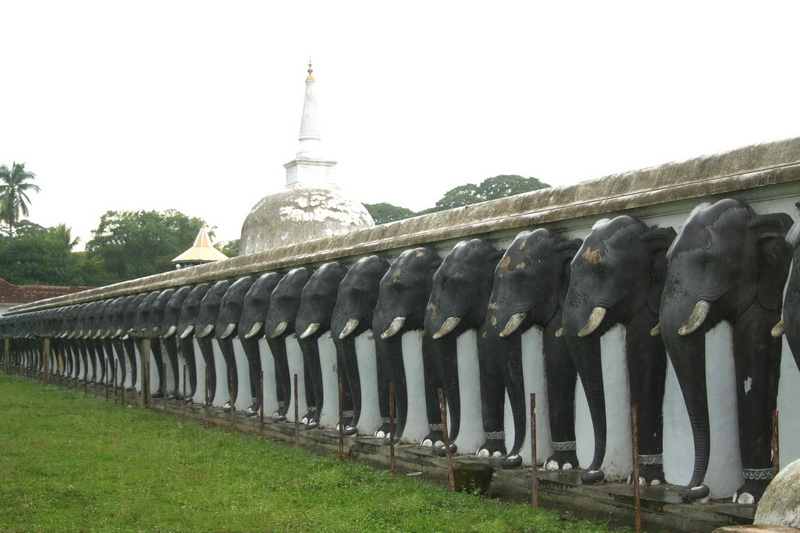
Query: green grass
pixel 69 462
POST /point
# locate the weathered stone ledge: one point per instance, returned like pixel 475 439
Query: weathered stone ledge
pixel 743 173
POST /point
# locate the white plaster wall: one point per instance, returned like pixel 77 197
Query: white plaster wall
pixel 200 392
pixel 470 436
pixel 417 421
pixel 295 358
pixel 270 393
pixel 243 395
pixel 370 419
pixel 535 382
pixel 789 408
pixel 221 395
pixel 329 416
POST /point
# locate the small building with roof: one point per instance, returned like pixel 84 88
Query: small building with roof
pixel 202 251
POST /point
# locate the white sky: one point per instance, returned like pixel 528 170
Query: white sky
pixel 196 105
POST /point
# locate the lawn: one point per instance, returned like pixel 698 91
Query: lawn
pixel 70 462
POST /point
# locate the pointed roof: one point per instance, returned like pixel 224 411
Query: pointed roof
pixel 201 251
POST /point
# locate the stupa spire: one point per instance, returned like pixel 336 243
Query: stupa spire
pixel 309 166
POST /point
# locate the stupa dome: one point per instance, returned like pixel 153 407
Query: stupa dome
pixel 300 213
pixel 310 206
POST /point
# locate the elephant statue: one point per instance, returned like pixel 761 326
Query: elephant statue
pixel 728 263
pixel 186 326
pixel 403 294
pixel 251 327
pixel 459 299
pixel 352 316
pixel 280 323
pixel 617 277
pixel 144 326
pixel 530 285
pixel 203 328
pixel 317 302
pixel 168 330
pixel 225 333
pixel 128 343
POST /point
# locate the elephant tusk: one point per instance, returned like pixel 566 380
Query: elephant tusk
pixel 117 333
pixel 254 330
pixel 779 329
pixel 394 327
pixel 170 332
pixel 513 323
pixel 699 314
pixel 448 326
pixel 310 330
pixel 597 316
pixel 280 329
pixel 228 331
pixel 187 331
pixel 559 332
pixel 656 331
pixel 349 328
pixel 206 331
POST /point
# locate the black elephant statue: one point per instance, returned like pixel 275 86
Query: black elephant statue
pixel 280 323
pixel 403 294
pixel 352 316
pixel 186 326
pixel 251 328
pixel 314 315
pixel 617 277
pixel 203 329
pixel 530 285
pixel 728 263
pixel 173 345
pixel 144 325
pixel 225 332
pixel 459 299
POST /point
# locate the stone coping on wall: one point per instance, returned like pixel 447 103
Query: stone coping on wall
pixel 730 173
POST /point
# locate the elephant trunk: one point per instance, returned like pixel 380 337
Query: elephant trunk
pixel 207 350
pixel 253 355
pixel 171 347
pixel 391 351
pixel 186 348
pixel 313 370
pixel 510 354
pixel 226 347
pixel 283 380
pixel 446 356
pixel 346 349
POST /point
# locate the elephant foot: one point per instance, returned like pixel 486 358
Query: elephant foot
pixel 755 483
pixel 650 474
pixel 383 431
pixel 228 407
pixel 157 394
pixel 512 461
pixel 441 451
pixel 435 437
pixel 348 429
pixel 690 494
pixel 278 417
pixel 173 395
pixel 495 445
pixel 252 410
pixel 309 420
pixel 592 476
pixel 188 400
pixel 562 460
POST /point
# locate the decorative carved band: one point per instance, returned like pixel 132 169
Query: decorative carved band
pixel 495 435
pixel 385 420
pixel 434 427
pixel 566 446
pixel 347 414
pixel 758 474
pixel 657 459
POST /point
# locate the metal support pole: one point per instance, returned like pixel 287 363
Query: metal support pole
pixel 230 396
pixel 261 404
pixel 145 381
pixel 443 413
pixel 391 428
pixel 163 386
pixel 534 466
pixel 637 501
pixel 341 419
pixel 46 354
pixel 183 396
pixel 296 414
pixel 776 452
pixel 205 401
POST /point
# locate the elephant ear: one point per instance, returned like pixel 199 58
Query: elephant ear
pixel 774 257
pixel 495 256
pixel 657 241
pixel 566 250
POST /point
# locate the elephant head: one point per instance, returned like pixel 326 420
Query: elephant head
pixel 173 344
pixel 170 347
pixel 146 325
pixel 227 321
pixel 458 302
pixel 617 277
pixel 203 329
pixel 728 263
pixel 402 296
pixel 251 327
pixel 530 284
pixel 314 315
pixel 186 326
pixel 355 305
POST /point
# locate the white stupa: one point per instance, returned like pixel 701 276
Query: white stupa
pixel 310 206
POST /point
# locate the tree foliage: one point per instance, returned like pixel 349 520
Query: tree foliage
pixel 15 183
pixel 133 244
pixel 229 248
pixel 489 189
pixel 385 212
pixel 41 256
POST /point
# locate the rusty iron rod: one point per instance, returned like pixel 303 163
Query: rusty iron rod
pixel 230 397
pixel 46 350
pixel 443 414
pixel 261 403
pixel 183 395
pixel 341 419
pixel 205 401
pixel 391 428
pixel 296 414
pixel 776 452
pixel 163 386
pixel 637 500
pixel 145 381
pixel 115 380
pixel 534 468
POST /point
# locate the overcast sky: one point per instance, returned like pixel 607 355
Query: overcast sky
pixel 196 105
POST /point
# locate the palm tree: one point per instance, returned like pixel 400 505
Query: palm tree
pixel 14 185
